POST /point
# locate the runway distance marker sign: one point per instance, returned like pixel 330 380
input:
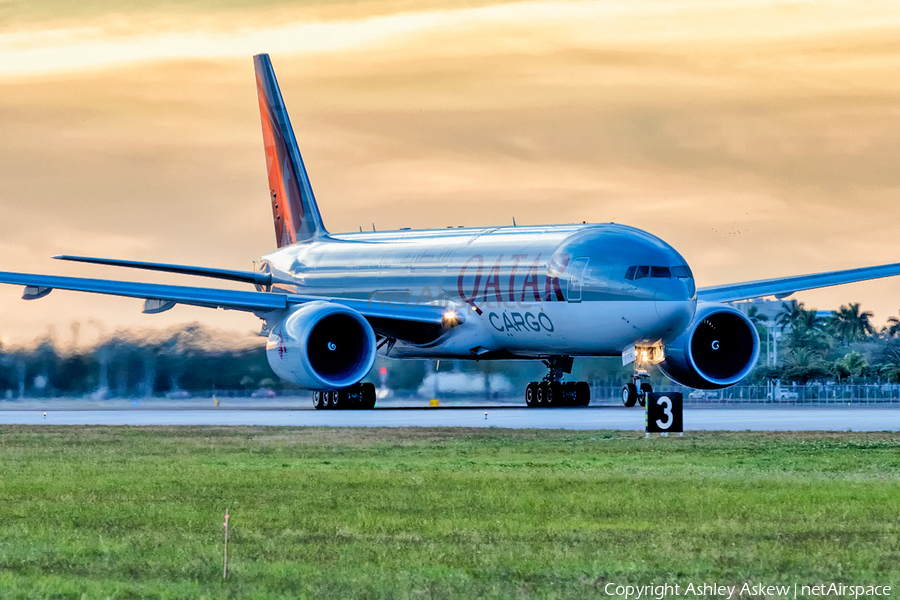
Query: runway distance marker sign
pixel 664 412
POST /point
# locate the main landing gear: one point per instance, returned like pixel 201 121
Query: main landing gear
pixel 356 397
pixel 553 392
pixel 638 391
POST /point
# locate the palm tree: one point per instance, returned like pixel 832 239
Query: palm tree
pixel 890 365
pixel 805 327
pixel 850 325
pixel 852 364
pixel 791 312
pixel 809 319
pixel 892 328
pixel 803 364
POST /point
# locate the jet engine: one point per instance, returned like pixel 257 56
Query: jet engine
pixel 718 349
pixel 322 345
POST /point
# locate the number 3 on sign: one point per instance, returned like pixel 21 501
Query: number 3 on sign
pixel 664 412
pixel 666 403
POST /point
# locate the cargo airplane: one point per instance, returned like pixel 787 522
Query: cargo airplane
pixel 331 302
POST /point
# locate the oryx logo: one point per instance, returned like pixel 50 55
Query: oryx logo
pixel 282 347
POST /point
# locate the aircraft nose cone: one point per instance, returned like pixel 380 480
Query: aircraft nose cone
pixel 674 290
pixel 675 312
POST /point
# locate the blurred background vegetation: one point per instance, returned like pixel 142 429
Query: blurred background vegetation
pixel 843 346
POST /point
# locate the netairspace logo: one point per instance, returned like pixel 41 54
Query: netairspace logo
pixel 732 592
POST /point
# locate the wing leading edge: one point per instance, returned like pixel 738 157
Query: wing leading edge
pixel 411 322
pixel 785 286
pixel 254 277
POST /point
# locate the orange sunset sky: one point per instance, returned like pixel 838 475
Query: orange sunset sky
pixel 760 139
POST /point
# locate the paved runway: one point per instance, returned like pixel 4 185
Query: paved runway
pixel 696 419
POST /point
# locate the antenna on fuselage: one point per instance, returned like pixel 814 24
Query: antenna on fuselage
pixel 373 226
pixel 514 222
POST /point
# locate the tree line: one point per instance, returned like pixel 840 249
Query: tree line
pixel 191 358
pixel 844 346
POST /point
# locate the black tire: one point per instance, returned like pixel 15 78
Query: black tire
pixel 368 396
pixel 629 395
pixel 318 400
pixel 555 394
pixel 354 396
pixel 326 399
pixel 542 393
pixel 582 393
pixel 531 395
pixel 340 400
pixel 646 390
pixel 570 394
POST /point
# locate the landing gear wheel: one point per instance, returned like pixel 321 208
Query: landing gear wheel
pixel 557 393
pixel 629 394
pixel 339 400
pixel 646 390
pixel 367 393
pixel 554 394
pixel 582 393
pixel 531 395
pixel 570 394
pixel 318 400
pixel 542 394
pixel 327 398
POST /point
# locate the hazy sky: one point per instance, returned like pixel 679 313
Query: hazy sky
pixel 759 138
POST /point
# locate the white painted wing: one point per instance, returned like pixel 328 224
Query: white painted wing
pixel 785 286
pixel 395 320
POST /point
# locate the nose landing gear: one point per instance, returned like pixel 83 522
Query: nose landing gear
pixel 551 391
pixel 637 392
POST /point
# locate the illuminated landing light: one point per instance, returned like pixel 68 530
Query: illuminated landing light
pixel 451 319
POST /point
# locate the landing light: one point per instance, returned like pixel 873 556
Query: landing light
pixel 451 319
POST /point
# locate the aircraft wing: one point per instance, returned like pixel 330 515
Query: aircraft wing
pixel 393 319
pixel 785 286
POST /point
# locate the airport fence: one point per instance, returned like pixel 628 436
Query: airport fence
pixel 787 395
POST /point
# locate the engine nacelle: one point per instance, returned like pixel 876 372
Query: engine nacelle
pixel 718 349
pixel 322 345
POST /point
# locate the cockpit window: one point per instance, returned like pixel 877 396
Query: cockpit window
pixel 641 271
pixel 682 272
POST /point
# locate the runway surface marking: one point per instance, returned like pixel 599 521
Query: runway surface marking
pixel 724 419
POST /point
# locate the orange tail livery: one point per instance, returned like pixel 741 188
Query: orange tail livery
pixel 293 203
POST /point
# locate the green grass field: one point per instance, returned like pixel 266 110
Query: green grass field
pixel 116 512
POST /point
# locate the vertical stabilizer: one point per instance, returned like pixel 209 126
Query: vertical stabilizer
pixel 293 203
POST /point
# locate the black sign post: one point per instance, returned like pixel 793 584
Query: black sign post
pixel 664 413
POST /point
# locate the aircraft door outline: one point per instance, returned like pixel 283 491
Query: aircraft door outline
pixel 576 279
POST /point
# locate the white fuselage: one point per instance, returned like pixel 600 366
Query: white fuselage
pixel 526 291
